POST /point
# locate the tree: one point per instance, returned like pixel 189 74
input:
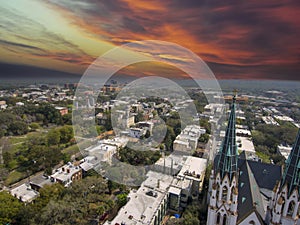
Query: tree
pixel 34 126
pixel 53 137
pixel 66 134
pixel 122 199
pixel 18 128
pixel 139 117
pixel 10 207
pixel 2 133
pixel 147 135
pixel 67 119
pixel 204 138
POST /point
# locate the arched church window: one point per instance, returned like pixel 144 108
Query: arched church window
pixel 217 192
pixel 252 222
pixel 231 194
pixel 224 193
pixel 283 204
pixel 218 218
pixel 224 219
pixel 291 208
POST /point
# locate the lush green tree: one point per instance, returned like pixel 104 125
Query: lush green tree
pixel 134 157
pixel 122 199
pixel 18 128
pixel 204 138
pixel 34 126
pixel 53 137
pixel 2 133
pixel 139 117
pixel 10 207
pixel 67 119
pixel 66 134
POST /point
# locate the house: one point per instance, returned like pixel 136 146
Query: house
pixel 187 184
pixel 62 110
pixel 67 174
pixel 148 204
pixel 24 193
pixel 103 152
pixel 3 105
pixel 38 182
pixel 136 132
pixel 187 140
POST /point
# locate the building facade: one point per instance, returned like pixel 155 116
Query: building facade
pixel 243 191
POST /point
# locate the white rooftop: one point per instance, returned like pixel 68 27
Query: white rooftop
pixel 24 193
pixel 193 167
pixel 247 144
pixel 66 172
pixel 145 201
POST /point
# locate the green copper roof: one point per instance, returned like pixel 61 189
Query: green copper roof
pixel 291 175
pixel 227 163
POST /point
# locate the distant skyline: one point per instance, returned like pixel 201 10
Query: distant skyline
pixel 237 39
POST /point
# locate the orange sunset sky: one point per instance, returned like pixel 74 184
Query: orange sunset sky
pixel 251 39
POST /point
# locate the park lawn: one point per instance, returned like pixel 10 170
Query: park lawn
pixel 265 158
pixel 17 139
pixel 71 150
pixel 14 177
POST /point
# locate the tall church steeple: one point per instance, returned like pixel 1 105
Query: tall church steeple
pixel 227 163
pixel 284 207
pixel 223 186
pixel 291 176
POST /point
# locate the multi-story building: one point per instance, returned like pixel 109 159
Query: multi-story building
pixel 187 140
pixel 147 205
pixel 67 174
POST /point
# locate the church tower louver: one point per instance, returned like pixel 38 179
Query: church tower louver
pixel 223 189
pixel 284 207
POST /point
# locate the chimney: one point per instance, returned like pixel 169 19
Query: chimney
pixel 63 169
pixel 68 170
pixel 158 182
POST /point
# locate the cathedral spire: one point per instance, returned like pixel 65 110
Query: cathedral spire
pixel 227 163
pixel 291 175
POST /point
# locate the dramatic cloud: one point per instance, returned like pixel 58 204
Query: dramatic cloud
pixel 26 37
pixel 238 39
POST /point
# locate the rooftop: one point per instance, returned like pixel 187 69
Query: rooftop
pixel 65 173
pixel 24 193
pixel 193 167
pixel 145 201
pixel 246 144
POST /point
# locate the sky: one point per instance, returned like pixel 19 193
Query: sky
pixel 237 39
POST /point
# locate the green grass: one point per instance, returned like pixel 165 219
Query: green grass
pixel 14 177
pixel 17 139
pixel 264 157
pixel 71 150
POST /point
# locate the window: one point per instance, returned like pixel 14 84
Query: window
pixel 224 219
pixel 252 222
pixel 224 193
pixel 291 209
pixel 218 218
pixel 231 194
pixel 217 193
pixel 283 204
